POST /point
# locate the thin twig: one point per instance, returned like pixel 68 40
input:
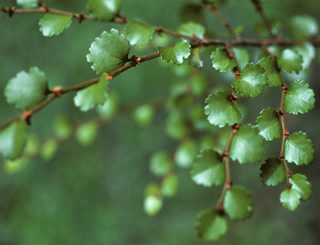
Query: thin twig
pixel 78 87
pixel 213 9
pixel 258 6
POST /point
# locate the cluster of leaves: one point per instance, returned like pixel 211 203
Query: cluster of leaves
pixel 188 119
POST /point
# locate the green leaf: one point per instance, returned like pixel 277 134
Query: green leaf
pixel 108 52
pixel 251 81
pixel 273 172
pixel 109 108
pixel 247 145
pixel 62 127
pixel 195 59
pixel 290 199
pixel 269 124
pixel 13 139
pixel 160 163
pixel 302 27
pixel 299 98
pixel 307 51
pixel 242 57
pixel 26 90
pixel 104 10
pixel 302 185
pixel 186 153
pixel 28 3
pixel 299 149
pixel 14 166
pixel 152 205
pixel 49 149
pixel 238 203
pixel 138 33
pixel 169 186
pixel 210 226
pixel 220 110
pixel 221 60
pixel 86 133
pixel 177 126
pixel 290 60
pixel 269 64
pixel 208 169
pixel 192 29
pixel 93 95
pixel 54 24
pixel 176 54
pixel 143 115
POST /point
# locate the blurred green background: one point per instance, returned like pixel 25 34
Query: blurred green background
pixel 94 194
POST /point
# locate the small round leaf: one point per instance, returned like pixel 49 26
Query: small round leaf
pixel 269 124
pixel 210 226
pixel 251 81
pixel 273 172
pixel 108 52
pixel 299 149
pixel 299 98
pixel 208 169
pixel 290 199
pixel 238 203
pixel 27 89
pixel 54 24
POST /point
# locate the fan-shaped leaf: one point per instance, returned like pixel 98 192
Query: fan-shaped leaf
pixel 54 24
pixel 251 81
pixel 220 110
pixel 208 169
pixel 269 124
pixel 26 90
pixel 104 10
pixel 299 149
pixel 138 33
pixel 93 95
pixel 238 203
pixel 108 52
pixel 247 145
pixel 210 226
pixel 290 199
pixel 302 185
pixel 192 29
pixel 299 98
pixel 290 60
pixel 269 64
pixel 221 60
pixel 13 139
pixel 273 172
pixel 176 54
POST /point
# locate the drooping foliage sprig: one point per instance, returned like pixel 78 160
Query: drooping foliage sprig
pixel 195 113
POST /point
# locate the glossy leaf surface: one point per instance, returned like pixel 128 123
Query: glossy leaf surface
pixel 27 89
pixel 208 169
pixel 108 52
pixel 54 24
pixel 220 110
